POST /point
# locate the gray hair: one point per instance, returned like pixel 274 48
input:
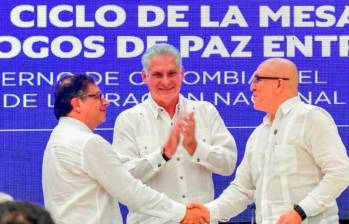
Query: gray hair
pixel 160 49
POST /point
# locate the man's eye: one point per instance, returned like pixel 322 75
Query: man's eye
pixel 157 75
pixel 172 74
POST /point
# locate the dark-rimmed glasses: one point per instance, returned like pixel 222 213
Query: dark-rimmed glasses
pixel 257 78
pixel 97 96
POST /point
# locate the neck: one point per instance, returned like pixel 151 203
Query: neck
pixel 171 109
pixel 78 117
pixel 272 112
pixel 271 116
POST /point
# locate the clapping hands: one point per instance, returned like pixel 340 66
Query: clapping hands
pixel 186 125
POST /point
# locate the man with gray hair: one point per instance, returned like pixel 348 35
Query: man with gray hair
pixel 171 143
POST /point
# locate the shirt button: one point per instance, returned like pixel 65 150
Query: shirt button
pixel 140 114
pixel 159 165
pixel 171 123
pixel 145 147
pixel 183 196
pixel 275 131
pixel 181 177
pixel 204 140
pixel 198 160
pixel 178 159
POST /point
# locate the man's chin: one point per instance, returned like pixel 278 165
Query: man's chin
pixel 102 121
pixel 257 107
pixel 167 93
pixel 167 99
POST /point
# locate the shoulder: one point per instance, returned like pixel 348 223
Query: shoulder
pixel 70 135
pixel 314 113
pixel 93 139
pixel 133 112
pixel 200 105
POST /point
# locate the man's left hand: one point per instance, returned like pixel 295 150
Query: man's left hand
pixel 196 214
pixel 187 124
pixel 290 217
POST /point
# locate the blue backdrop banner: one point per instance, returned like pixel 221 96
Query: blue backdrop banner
pixel 221 43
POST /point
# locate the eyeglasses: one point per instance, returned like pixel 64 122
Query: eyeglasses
pixel 97 96
pixel 257 78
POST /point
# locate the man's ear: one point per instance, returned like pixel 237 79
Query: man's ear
pixel 144 76
pixel 280 86
pixel 75 103
pixel 182 74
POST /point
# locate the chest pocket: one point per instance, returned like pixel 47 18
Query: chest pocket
pixel 147 144
pixel 284 159
pixel 203 134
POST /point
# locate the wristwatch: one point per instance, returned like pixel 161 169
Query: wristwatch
pixel 164 155
pixel 300 211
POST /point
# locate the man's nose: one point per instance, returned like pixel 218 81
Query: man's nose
pixel 165 80
pixel 105 102
pixel 252 86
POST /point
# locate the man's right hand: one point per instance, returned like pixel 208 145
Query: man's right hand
pixel 196 214
pixel 172 141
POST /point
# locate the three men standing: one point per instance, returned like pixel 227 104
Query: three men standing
pixel 295 164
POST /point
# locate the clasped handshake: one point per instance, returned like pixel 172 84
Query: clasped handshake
pixel 196 213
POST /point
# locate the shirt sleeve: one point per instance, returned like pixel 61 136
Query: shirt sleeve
pixel 238 195
pixel 330 155
pixel 124 143
pixel 102 163
pixel 220 154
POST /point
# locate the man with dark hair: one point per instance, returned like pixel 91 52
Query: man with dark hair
pixel 82 177
pixel 20 212
pixel 65 91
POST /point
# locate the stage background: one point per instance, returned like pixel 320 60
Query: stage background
pixel 221 42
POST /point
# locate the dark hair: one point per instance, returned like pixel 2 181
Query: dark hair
pixel 67 88
pixel 20 212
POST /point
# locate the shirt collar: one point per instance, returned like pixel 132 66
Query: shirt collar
pixel 286 106
pixel 283 109
pixel 157 110
pixel 75 123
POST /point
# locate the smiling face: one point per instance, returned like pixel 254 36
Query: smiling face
pixel 163 78
pixel 93 107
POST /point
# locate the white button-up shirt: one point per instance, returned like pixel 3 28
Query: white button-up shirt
pixel 142 131
pixel 298 158
pixel 83 178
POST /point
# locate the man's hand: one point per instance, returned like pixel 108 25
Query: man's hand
pixel 187 127
pixel 172 141
pixel 290 217
pixel 196 213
